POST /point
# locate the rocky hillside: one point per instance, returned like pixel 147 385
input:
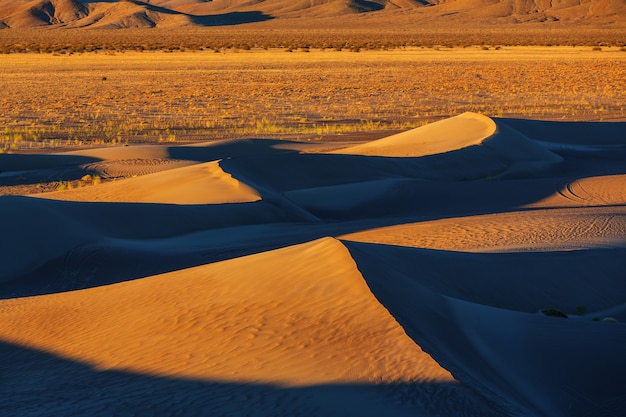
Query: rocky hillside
pixel 184 13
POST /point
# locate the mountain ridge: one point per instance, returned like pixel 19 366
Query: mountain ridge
pixel 110 14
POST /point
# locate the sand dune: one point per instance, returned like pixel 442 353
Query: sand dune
pixel 538 365
pixel 533 230
pixel 468 131
pixel 593 191
pixel 446 135
pixel 198 184
pixel 305 316
pixel 404 276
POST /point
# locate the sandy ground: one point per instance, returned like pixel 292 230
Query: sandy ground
pixel 404 276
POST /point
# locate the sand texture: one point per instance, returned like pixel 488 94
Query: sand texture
pixel 406 276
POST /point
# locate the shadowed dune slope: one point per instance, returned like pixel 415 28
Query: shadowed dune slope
pixel 99 393
pixel 57 228
pixel 538 365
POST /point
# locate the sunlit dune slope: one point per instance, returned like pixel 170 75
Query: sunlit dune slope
pixel 299 315
pixel 197 184
pixel 446 135
pixel 540 230
pixel 128 161
pixel 594 191
pixel 468 132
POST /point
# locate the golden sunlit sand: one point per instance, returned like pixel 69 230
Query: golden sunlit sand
pixel 401 276
pixel 198 184
pixel 305 316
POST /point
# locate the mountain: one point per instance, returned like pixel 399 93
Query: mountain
pixel 40 12
pixel 181 13
pixel 103 14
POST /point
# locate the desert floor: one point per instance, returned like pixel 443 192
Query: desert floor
pixel 417 273
pixel 62 100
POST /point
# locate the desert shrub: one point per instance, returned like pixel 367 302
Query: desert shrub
pixel 553 312
pixel 581 310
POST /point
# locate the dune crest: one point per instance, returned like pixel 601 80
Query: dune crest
pixel 446 135
pixel 492 145
pixel 304 316
pixel 197 184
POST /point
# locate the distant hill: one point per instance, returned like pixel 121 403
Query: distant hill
pixel 185 13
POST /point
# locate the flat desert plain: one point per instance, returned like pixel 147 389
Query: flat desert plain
pixel 63 100
pixel 468 266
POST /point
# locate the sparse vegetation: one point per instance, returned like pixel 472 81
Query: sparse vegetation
pixel 553 312
pixel 67 42
pixel 262 91
pixel 606 319
pixel 87 179
pixel 581 310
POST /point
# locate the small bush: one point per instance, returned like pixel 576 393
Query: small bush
pixel 553 312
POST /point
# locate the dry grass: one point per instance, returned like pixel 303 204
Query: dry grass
pixel 223 38
pixel 72 100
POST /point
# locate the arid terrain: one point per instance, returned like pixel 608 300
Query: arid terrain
pixel 63 100
pixel 332 208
